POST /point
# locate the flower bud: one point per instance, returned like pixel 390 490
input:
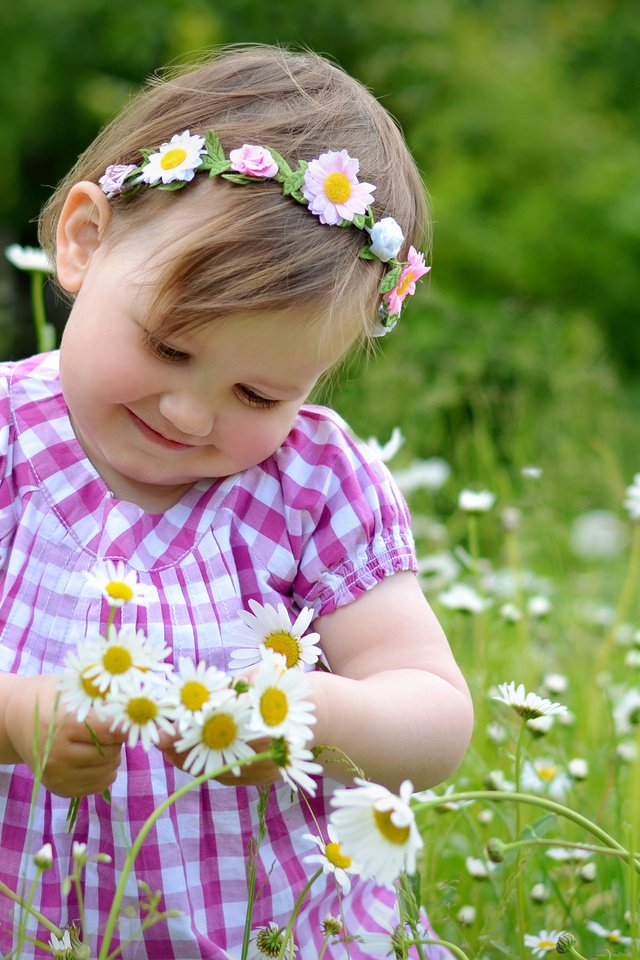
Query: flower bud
pixel 332 926
pixel 565 942
pixel 386 239
pixel 43 859
pixel 496 850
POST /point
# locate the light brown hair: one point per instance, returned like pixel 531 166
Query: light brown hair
pixel 259 250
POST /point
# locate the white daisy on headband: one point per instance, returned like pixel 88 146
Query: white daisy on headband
pixel 270 628
pixel 117 585
pixel 176 160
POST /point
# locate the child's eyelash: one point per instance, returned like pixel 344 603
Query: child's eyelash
pixel 163 350
pixel 254 399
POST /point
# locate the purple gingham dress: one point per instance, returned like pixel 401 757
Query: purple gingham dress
pixel 315 524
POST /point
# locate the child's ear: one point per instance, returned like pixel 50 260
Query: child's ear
pixel 85 216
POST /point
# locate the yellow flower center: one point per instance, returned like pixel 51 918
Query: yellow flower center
pixel 333 853
pixel 194 695
pixel 388 829
pixel 117 660
pixel 613 937
pixel 219 731
pixel 141 709
pixel 274 706
pixel 118 590
pixel 546 944
pixel 89 686
pixel 403 286
pixel 337 188
pixel 173 158
pixel 285 644
pixel 546 773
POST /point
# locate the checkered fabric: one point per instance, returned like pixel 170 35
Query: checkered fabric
pixel 316 524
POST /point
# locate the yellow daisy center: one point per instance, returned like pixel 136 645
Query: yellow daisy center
pixel 117 660
pixel 613 937
pixel 173 158
pixel 194 695
pixel 337 188
pixel 274 706
pixel 388 829
pixel 546 944
pixel 403 286
pixel 141 709
pixel 118 590
pixel 89 686
pixel 284 643
pixel 546 773
pixel 333 853
pixel 219 731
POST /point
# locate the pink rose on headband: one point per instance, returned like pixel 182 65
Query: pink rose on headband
pixel 114 177
pixel 406 285
pixel 252 160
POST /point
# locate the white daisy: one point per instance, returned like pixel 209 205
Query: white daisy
pixel 176 160
pixel 378 829
pixel 626 711
pixel 140 709
pixel 443 805
pixel 218 734
pixel 332 858
pixel 113 582
pixel 463 598
pixel 278 696
pixel 611 936
pixel 61 946
pixel 543 942
pixel 116 658
pixel 423 475
pixel 271 628
pixel 296 764
pixel 478 868
pixel 471 501
pixel 567 854
pixel 192 687
pixel 632 499
pixel 387 451
pixel 527 705
pixel 79 692
pixel 28 258
pixel 544 776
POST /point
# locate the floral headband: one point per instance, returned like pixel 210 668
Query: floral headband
pixel 328 185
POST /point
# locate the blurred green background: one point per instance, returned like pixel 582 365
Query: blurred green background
pixel 523 116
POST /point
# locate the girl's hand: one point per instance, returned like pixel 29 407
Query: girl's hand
pixel 75 766
pixel 258 774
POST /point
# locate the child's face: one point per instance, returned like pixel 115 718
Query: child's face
pixel 155 416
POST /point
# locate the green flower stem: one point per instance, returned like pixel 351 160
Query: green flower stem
pixel 590 847
pixel 28 903
pixel 80 899
pixel 42 329
pixel 112 919
pixel 429 941
pixel 409 907
pixel 40 917
pixel 296 910
pixel 552 805
pixel 520 905
pixel 325 944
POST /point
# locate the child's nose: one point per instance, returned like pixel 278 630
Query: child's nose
pixel 190 414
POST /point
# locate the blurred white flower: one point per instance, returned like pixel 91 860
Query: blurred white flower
pixel 632 499
pixel 437 570
pixel 544 776
pixel 466 915
pixel 587 872
pixel 533 473
pixel 539 893
pixel 388 450
pixel 463 598
pixel 28 258
pixel 578 768
pixel 568 854
pixel 632 659
pixel 479 869
pixel 626 751
pixel 540 726
pixel 486 816
pixel 270 628
pixel 296 764
pixel 555 682
pixel 377 828
pixel 510 613
pixel 496 780
pixel 611 936
pixel 510 519
pixel 428 475
pixel 527 705
pixel 539 606
pixel 496 732
pixel 598 535
pixel 626 710
pixel 444 805
pixel 471 501
pixel 543 942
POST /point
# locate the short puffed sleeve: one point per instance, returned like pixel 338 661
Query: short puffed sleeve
pixel 346 519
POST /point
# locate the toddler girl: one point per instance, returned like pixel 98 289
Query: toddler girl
pixel 226 241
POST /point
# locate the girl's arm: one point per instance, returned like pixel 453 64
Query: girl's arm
pixel 396 702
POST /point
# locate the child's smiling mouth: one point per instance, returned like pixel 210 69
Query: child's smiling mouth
pixel 156 437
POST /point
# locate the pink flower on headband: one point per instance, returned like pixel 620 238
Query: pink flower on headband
pixel 406 285
pixel 114 176
pixel 252 160
pixel 332 189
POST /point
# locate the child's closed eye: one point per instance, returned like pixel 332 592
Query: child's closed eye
pixel 253 399
pixel 164 351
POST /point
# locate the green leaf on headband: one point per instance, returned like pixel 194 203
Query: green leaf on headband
pixel 241 178
pixel 366 254
pixel 390 279
pixel 214 161
pixel 284 170
pixel 175 185
pixel 359 220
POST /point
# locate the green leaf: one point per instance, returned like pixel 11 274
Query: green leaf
pixel 390 280
pixel 366 254
pixel 240 178
pixel 214 147
pixel 284 170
